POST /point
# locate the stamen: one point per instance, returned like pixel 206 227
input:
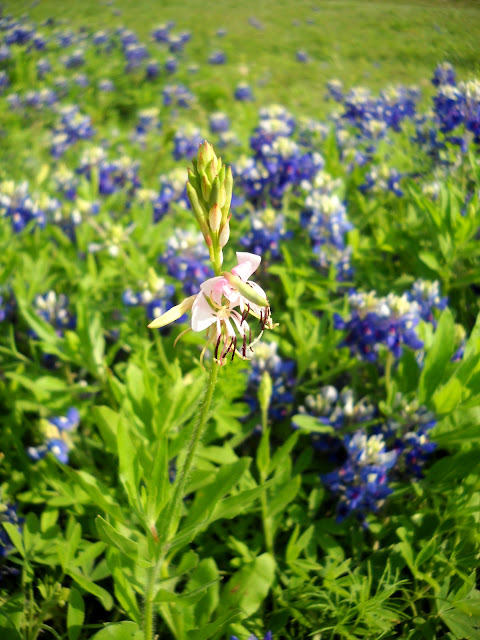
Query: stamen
pixel 217 346
pixel 234 348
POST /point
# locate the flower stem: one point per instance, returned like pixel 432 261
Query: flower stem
pixel 169 523
pixel 265 448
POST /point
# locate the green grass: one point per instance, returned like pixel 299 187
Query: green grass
pixel 360 42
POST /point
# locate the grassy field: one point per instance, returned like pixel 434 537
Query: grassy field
pixel 324 480
pixel 361 43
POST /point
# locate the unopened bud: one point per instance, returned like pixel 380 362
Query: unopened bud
pixel 215 218
pixel 173 314
pixel 224 234
pixel 246 290
pixel 205 155
pixel 206 187
pixel 265 389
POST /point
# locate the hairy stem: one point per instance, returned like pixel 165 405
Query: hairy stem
pixel 169 523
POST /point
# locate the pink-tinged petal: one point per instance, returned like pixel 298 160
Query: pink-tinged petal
pixel 247 264
pixel 203 315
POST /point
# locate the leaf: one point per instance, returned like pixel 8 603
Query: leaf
pixel 437 357
pixel 127 463
pixel 107 422
pixel 208 497
pixel 85 583
pixel 311 424
pixel 75 614
pixel 111 536
pixel 120 631
pixel 158 483
pixel 249 587
pixel 463 626
pixel 447 398
pixel 123 589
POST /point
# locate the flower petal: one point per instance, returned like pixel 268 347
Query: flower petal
pixel 247 264
pixel 202 313
pixel 173 314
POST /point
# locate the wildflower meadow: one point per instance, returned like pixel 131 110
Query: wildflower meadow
pixel 239 345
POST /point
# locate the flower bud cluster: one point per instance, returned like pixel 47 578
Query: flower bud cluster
pixel 209 190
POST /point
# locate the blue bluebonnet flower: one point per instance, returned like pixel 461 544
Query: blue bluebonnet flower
pixel 302 56
pixel 53 309
pixel 219 122
pixel 127 37
pixel 177 95
pixel 75 59
pixel 382 179
pixel 187 260
pixel 186 142
pixel 279 164
pixel 19 33
pixel 444 74
pixel 135 54
pixel 81 80
pixel 177 42
pixel 100 38
pixel 171 64
pixel 18 204
pixel 221 32
pixel 339 410
pixel 172 190
pixel 409 429
pixel 335 89
pixel 73 126
pixel 267 229
pixel 243 93
pixel 66 182
pixel 161 32
pixel 65 39
pixel 361 483
pixel 106 85
pixel 43 67
pixel 112 176
pixel 152 69
pixel 154 294
pixel 282 372
pixel 5 53
pixel 217 57
pixel 375 322
pixel 427 296
pixel 148 120
pixel 328 256
pixel 325 218
pixel 471 92
pixel 56 434
pixel 449 107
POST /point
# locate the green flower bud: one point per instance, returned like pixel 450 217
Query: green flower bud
pixel 215 218
pixel 246 290
pixel 265 389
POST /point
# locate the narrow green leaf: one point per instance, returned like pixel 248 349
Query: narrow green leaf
pixel 75 614
pixel 87 584
pixel 111 536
